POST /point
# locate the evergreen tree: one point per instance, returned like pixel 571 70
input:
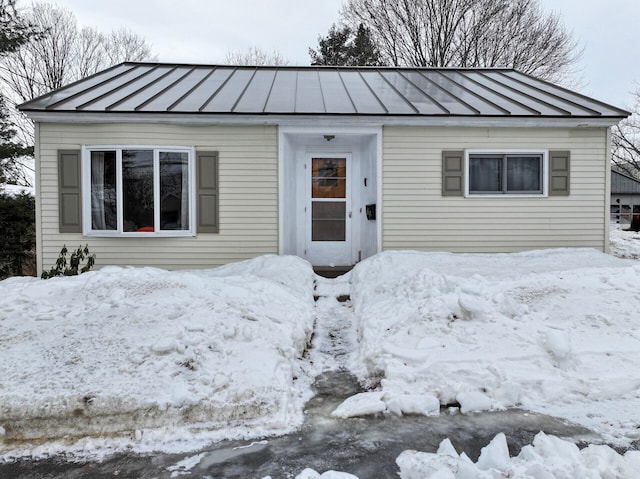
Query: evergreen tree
pixel 11 153
pixel 17 213
pixel 342 46
pixel 17 242
pixel 14 31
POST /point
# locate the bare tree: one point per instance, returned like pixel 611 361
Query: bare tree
pixel 61 53
pixel 625 142
pixel 468 33
pixel 64 52
pixel 254 56
pixel 123 45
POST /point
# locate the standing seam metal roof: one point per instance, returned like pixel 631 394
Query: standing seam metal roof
pixel 381 91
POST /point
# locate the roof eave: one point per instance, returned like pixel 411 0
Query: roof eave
pixel 289 119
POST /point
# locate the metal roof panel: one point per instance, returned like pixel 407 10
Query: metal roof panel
pixel 257 93
pixel 389 96
pixel 230 92
pixel 388 91
pixel 84 95
pixel 309 98
pixel 553 93
pixel 361 95
pixel 336 97
pixel 125 90
pixel 194 99
pixel 283 93
pixel 163 100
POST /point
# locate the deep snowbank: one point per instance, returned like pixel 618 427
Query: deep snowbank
pixel 123 350
pixel 553 331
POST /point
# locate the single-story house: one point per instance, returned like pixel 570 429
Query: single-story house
pixel 625 198
pixel 185 166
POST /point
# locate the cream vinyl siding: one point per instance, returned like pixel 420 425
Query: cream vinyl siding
pixel 417 216
pixel 248 175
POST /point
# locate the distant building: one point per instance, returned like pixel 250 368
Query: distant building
pixel 625 199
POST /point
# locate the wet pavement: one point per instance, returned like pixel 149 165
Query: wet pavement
pixel 366 447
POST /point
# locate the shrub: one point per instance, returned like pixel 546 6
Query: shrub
pixel 72 268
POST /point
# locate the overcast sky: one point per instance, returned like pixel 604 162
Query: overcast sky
pixel 203 31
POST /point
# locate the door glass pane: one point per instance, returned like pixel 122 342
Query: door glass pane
pixel 523 173
pixel 174 191
pixel 328 178
pixel 485 174
pixel 328 220
pixel 137 190
pixel 104 214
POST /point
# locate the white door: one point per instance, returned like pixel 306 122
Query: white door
pixel 328 209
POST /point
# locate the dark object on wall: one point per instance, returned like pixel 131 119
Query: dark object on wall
pixel 371 211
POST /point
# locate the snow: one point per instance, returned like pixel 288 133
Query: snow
pixel 311 474
pixel 15 190
pixel 624 244
pixel 152 357
pixel 552 331
pixel 142 359
pixel 548 457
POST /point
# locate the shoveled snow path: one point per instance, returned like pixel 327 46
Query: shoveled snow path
pixel 334 335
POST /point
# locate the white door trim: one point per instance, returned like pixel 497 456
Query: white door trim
pixel 329 253
pixel 365 143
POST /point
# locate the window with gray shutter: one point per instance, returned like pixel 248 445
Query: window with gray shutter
pixel 207 192
pixel 452 173
pixel 559 169
pixel 69 191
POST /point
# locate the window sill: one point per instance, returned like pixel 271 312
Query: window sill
pixel 506 195
pixel 141 234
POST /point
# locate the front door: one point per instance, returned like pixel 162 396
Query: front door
pixel 328 210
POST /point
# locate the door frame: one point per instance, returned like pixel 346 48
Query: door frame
pixel 336 253
pixel 364 143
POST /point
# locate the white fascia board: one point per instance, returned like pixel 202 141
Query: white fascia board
pixel 320 120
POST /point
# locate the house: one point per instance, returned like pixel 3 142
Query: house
pixel 625 199
pixel 185 166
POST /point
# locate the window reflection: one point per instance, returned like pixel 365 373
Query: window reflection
pixel 174 187
pixel 137 190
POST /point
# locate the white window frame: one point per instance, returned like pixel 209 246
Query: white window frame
pixel 499 151
pixel 86 190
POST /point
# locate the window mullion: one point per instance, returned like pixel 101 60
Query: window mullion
pixel 504 174
pixel 119 190
pixel 156 190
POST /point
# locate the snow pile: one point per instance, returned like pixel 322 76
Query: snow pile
pixel 548 457
pixel 15 190
pixel 130 350
pixel 311 474
pixel 553 331
pixel 624 244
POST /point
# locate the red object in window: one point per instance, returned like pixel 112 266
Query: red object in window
pixel 145 229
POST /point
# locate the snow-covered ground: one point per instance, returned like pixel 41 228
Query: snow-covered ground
pixel 555 331
pixel 153 358
pixel 624 244
pixel 145 359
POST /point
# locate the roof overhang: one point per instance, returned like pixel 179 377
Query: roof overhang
pixel 322 120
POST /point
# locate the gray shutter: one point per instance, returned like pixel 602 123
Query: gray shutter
pixel 207 191
pixel 559 166
pixel 69 191
pixel 452 173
